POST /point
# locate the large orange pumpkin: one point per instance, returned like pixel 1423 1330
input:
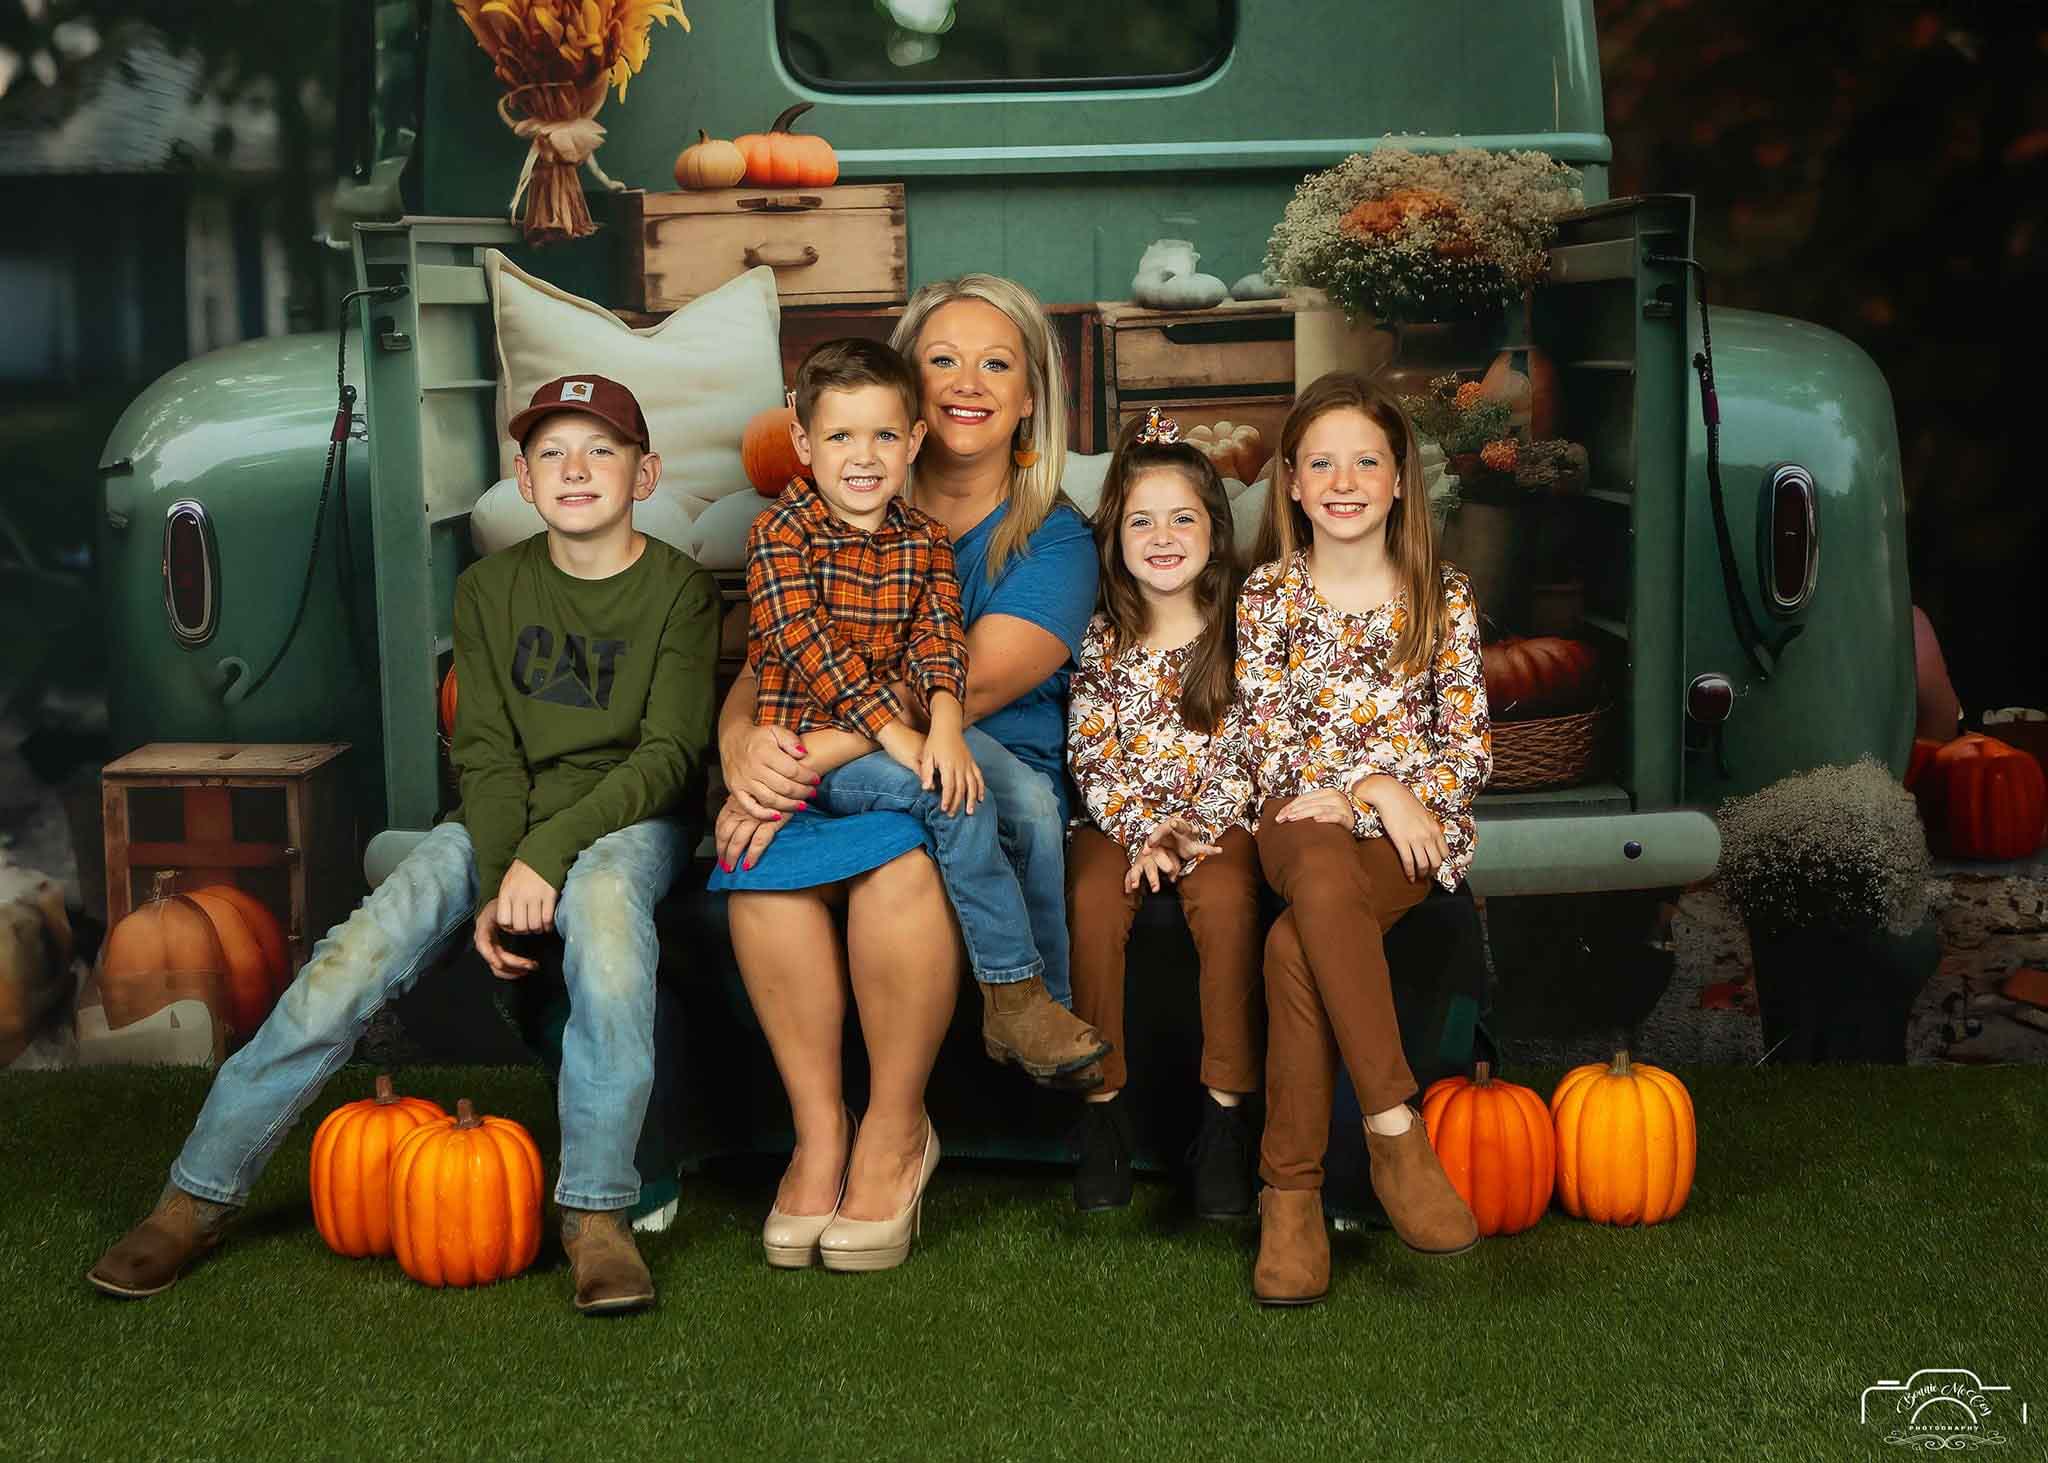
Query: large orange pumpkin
pixel 768 454
pixel 465 1199
pixel 1626 1143
pixel 1984 798
pixel 448 703
pixel 1921 758
pixel 1539 675
pixel 780 158
pixel 1496 1143
pixel 253 943
pixel 351 1177
pixel 164 951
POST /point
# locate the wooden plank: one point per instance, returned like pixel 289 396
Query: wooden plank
pixel 174 762
pixel 209 822
pixel 195 857
pixel 641 206
pixel 822 257
pixel 114 836
pixel 1187 351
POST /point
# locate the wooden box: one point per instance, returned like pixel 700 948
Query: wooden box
pixel 828 246
pixel 1233 363
pixel 273 819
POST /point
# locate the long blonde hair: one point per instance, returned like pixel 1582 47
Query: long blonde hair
pixel 1035 489
pixel 1411 532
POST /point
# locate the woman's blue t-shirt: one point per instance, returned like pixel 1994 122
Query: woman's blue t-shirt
pixel 1051 584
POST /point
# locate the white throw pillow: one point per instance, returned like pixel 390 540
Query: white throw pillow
pixel 699 375
pixel 718 537
pixel 501 518
pixel 1084 478
pixel 1247 507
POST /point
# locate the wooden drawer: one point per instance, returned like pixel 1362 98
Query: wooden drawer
pixel 1266 412
pixel 827 246
pixel 1239 343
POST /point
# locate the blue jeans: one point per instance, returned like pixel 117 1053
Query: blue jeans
pixel 1033 833
pixel 426 908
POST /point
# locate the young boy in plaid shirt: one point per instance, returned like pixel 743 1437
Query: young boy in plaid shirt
pixel 854 607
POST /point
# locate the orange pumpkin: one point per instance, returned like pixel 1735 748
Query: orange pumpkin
pixel 1539 675
pixel 780 158
pixel 448 703
pixel 1918 761
pixel 164 951
pixel 465 1199
pixel 252 942
pixel 351 1176
pixel 1496 1142
pixel 768 454
pixel 1526 379
pixel 710 162
pixel 1626 1143
pixel 1985 798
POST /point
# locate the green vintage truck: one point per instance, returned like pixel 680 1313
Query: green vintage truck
pixel 1053 148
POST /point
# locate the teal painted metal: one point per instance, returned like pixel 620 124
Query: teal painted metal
pixel 1590 853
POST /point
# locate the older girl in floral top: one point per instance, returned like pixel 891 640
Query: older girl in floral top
pixel 1168 791
pixel 1358 679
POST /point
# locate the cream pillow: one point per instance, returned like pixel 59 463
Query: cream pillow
pixel 699 375
pixel 501 518
pixel 718 538
pixel 1082 482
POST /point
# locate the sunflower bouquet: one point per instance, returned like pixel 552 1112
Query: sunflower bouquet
pixel 557 58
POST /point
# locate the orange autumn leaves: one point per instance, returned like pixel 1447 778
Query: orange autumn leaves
pixel 567 42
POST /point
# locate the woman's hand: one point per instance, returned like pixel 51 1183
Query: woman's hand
pixel 1147 868
pixel 763 770
pixel 1320 805
pixel 1413 830
pixel 740 837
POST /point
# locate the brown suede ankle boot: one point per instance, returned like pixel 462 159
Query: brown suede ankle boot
pixel 604 1263
pixel 1413 1188
pixel 1294 1249
pixel 1021 1023
pixel 149 1258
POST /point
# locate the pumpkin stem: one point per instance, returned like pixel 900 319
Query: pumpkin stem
pixel 1620 1066
pixel 465 1114
pixel 1482 1073
pixel 782 122
pixel 702 137
pixel 385 1095
pixel 164 884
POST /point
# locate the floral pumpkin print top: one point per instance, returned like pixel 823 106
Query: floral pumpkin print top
pixel 1134 759
pixel 1325 705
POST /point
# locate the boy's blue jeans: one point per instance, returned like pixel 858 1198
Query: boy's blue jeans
pixel 427 907
pixel 1006 874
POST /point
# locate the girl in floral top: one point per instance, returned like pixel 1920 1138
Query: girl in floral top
pixel 1358 680
pixel 1167 793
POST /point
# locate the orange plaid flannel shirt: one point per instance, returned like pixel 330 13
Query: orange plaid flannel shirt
pixel 836 615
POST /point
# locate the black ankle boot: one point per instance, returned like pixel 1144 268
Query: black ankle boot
pixel 1102 1179
pixel 1222 1161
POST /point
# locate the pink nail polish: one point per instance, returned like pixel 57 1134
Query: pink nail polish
pixel 750 863
pixel 801 752
pixel 775 817
pixel 801 806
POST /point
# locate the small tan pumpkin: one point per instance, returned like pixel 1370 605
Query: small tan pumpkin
pixel 164 951
pixel 351 1172
pixel 710 162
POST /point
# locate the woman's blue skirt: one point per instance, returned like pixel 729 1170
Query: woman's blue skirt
pixel 818 848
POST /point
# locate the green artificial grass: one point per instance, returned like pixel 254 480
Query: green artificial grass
pixel 1847 1226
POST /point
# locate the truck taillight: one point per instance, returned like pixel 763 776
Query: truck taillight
pixel 191 573
pixel 1789 532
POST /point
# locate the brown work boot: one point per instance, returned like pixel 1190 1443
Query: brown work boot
pixel 1417 1194
pixel 149 1258
pixel 1294 1248
pixel 1020 1023
pixel 604 1263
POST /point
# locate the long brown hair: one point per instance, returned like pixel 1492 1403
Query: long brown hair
pixel 1411 532
pixel 1209 681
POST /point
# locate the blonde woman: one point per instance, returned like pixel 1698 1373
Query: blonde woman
pixel 994 409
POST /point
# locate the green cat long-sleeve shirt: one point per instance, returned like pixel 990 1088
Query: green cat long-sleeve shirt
pixel 584 704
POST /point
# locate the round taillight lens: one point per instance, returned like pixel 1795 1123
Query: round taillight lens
pixel 1789 532
pixel 1710 698
pixel 191 568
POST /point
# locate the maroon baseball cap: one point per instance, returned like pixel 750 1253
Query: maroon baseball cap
pixel 596 396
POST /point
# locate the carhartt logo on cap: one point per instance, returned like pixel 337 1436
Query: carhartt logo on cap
pixel 576 390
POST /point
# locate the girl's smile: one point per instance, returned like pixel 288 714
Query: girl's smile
pixel 1344 475
pixel 1165 532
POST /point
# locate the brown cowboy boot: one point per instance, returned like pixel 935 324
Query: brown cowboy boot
pixel 1021 1023
pixel 1413 1188
pixel 150 1257
pixel 1294 1249
pixel 604 1263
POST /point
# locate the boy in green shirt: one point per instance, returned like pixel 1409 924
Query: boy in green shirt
pixel 585 657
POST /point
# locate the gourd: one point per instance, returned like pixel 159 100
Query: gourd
pixel 1541 673
pixel 1159 289
pixel 1255 286
pixel 1626 1142
pixel 164 951
pixel 767 452
pixel 780 158
pixel 448 703
pixel 1237 448
pixel 710 162
pixel 1526 379
pixel 465 1199
pixel 351 1174
pixel 1985 797
pixel 1497 1144
pixel 1920 759
pixel 252 944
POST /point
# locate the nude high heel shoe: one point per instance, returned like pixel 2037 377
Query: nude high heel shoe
pixel 881 1244
pixel 790 1241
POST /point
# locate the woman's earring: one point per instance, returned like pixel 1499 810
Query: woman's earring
pixel 1024 456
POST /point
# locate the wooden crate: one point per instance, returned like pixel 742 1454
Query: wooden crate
pixel 1264 412
pixel 1234 363
pixel 828 246
pixel 271 818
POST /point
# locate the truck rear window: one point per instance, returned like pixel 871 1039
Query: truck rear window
pixel 976 45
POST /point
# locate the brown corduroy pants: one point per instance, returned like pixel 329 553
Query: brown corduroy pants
pixel 1327 988
pixel 1220 898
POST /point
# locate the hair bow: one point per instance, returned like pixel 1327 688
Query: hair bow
pixel 1159 430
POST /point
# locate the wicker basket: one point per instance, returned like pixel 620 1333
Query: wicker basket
pixel 1550 751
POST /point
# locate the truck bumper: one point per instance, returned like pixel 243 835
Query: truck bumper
pixel 1588 854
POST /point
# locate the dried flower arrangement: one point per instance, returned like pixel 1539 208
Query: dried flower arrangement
pixel 1832 848
pixel 1458 417
pixel 556 59
pixel 1423 236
